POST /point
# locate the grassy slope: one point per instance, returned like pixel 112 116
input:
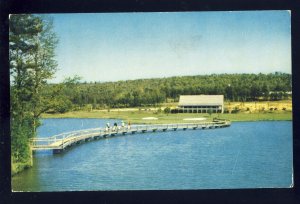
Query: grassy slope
pixel 249 111
pixel 136 116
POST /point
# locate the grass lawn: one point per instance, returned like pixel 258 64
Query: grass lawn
pixel 249 111
pixel 137 116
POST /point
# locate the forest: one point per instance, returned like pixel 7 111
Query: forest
pixel 152 92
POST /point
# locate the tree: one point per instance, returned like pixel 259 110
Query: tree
pixel 229 92
pixel 255 91
pixel 31 53
pixel 209 111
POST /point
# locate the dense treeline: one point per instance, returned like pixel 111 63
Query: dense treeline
pixel 149 92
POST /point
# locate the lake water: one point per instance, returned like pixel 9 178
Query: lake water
pixel 245 155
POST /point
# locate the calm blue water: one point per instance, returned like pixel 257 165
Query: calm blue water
pixel 245 155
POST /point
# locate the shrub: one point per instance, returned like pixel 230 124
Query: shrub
pixel 63 105
pixel 226 110
pixel 167 110
pixel 235 110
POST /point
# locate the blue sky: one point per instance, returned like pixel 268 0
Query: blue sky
pixel 120 46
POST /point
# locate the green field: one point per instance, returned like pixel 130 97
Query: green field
pixel 249 111
pixel 137 116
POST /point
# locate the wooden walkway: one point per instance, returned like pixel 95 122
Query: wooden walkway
pixel 60 142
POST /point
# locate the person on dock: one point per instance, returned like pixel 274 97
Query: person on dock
pixel 122 124
pixel 128 126
pixel 115 126
pixel 107 127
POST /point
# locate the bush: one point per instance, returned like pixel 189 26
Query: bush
pixel 262 109
pixel 209 111
pixel 88 107
pixel 226 110
pixel 21 131
pixel 167 110
pixel 17 167
pixel 235 110
pixel 63 105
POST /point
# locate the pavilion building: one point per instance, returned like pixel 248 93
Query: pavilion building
pixel 201 104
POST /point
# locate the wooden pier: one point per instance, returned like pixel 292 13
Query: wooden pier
pixel 59 143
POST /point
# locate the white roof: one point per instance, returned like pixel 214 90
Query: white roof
pixel 194 100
